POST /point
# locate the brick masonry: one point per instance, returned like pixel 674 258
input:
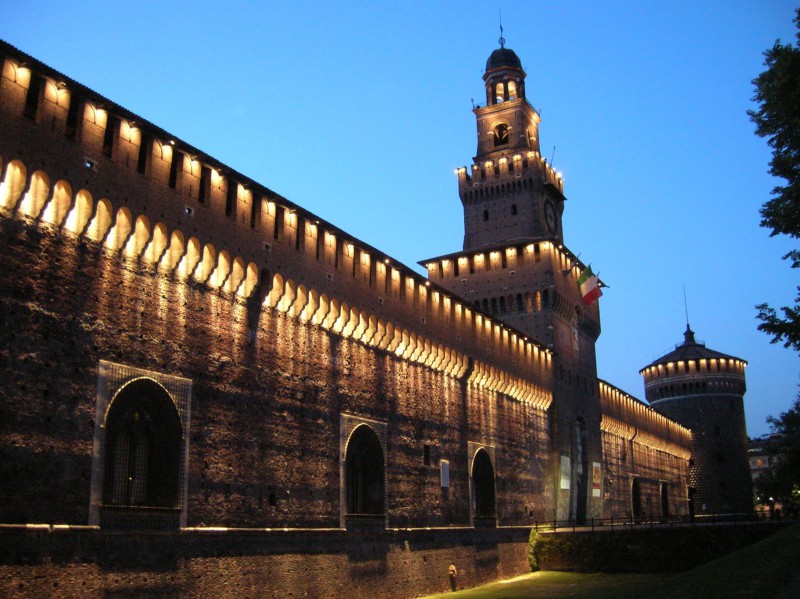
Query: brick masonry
pixel 253 564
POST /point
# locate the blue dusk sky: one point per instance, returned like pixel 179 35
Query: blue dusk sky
pixel 360 112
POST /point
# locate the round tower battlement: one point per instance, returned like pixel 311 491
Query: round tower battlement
pixel 693 370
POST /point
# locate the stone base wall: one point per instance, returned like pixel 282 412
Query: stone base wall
pixel 395 564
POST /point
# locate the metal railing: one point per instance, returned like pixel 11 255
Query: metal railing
pixel 632 523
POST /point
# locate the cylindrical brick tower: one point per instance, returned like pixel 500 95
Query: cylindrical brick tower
pixel 703 390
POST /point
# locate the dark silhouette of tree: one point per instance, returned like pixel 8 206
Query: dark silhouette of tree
pixel 782 481
pixel 778 119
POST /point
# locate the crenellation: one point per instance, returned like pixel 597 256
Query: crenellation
pixel 522 171
pixel 144 241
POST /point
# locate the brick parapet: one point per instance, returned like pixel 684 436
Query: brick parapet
pixel 306 253
pixel 626 416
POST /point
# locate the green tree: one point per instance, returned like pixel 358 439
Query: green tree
pixel 783 479
pixel 778 119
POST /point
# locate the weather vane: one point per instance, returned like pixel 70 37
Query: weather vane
pixel 502 40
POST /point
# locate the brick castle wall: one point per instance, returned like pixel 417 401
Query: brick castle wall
pixel 264 446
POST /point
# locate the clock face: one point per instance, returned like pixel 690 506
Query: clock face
pixel 550 216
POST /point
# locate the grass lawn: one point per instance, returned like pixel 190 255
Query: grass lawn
pixel 765 569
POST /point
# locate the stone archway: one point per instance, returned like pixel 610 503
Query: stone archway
pixel 364 473
pixel 483 491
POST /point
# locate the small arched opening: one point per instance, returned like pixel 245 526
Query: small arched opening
pixel 483 485
pixel 364 473
pixel 142 454
pixel 512 90
pixel 501 135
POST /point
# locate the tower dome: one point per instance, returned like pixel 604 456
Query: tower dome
pixel 504 77
pixel 503 57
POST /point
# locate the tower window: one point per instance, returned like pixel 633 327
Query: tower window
pixel 513 209
pixel 499 93
pixel 112 126
pixel 205 184
pixel 72 117
pixel 145 151
pixel 175 168
pixel 485 215
pixel 32 97
pixel 512 90
pixel 230 199
pixel 501 135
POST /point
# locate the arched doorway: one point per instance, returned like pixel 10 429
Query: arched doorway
pixel 142 448
pixel 483 485
pixel 364 477
pixel 636 500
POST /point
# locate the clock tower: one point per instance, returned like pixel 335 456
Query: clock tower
pixel 515 268
pixel 508 143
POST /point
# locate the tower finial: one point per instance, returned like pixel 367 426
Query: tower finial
pixel 502 40
pixel 686 308
pixel 688 335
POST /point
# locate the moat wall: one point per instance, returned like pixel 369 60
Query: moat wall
pixel 394 564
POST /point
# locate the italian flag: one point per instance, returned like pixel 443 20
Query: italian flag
pixel 590 286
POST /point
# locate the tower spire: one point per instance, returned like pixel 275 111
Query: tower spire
pixel 688 335
pixel 502 40
pixel 685 307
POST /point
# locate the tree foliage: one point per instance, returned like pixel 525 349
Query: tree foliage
pixel 782 481
pixel 778 119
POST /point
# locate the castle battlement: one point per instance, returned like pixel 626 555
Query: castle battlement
pixel 528 166
pixel 185 213
pixel 628 417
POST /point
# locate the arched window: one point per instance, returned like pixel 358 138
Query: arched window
pixel 483 485
pixel 501 135
pixel 142 448
pixel 499 94
pixel 364 478
pixel 512 90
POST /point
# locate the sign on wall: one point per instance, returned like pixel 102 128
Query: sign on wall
pixel 596 479
pixel 565 471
